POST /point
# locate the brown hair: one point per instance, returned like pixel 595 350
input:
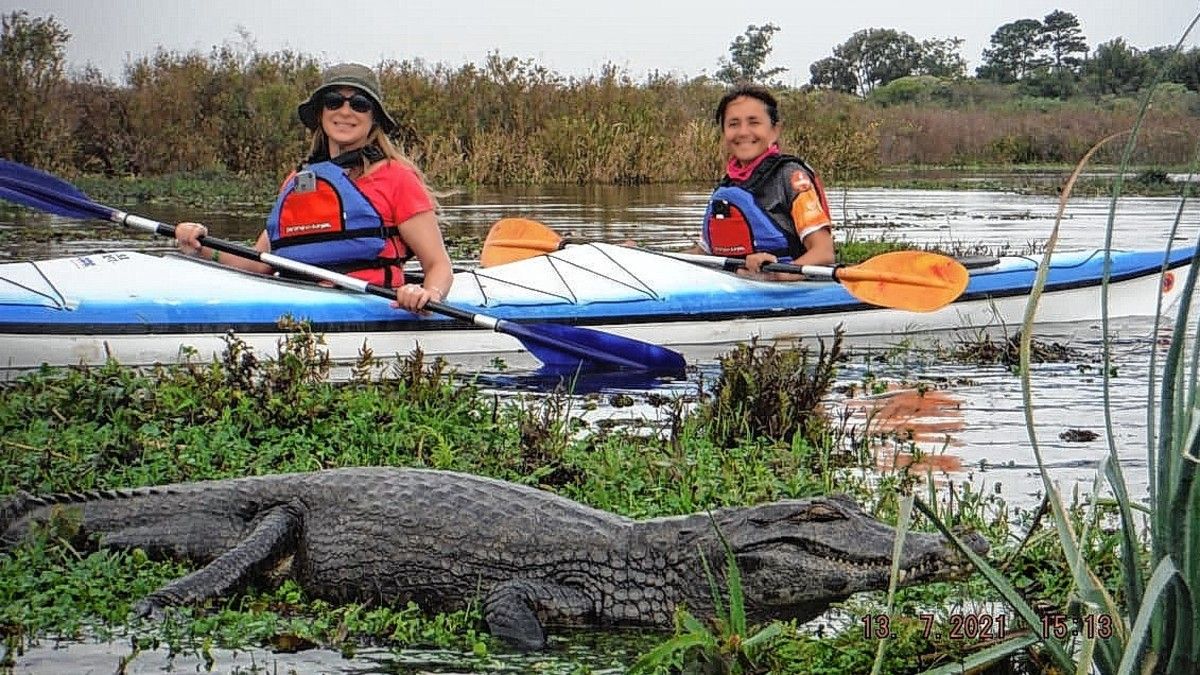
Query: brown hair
pixel 750 91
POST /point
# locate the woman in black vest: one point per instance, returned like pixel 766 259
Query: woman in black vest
pixel 769 207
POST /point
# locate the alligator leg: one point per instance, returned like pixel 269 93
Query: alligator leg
pixel 274 536
pixel 511 610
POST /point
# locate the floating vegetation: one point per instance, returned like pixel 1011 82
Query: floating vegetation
pixel 1074 435
pixel 985 349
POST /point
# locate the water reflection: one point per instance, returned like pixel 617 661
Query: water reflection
pixel 910 425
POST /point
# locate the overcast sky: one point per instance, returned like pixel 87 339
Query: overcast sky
pixel 574 38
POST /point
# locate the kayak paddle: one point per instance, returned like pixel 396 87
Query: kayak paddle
pixel 917 281
pixel 558 346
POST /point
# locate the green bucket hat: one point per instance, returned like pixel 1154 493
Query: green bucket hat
pixel 346 75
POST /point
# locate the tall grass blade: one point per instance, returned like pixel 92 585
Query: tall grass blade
pixel 1084 667
pixel 1090 590
pixel 713 587
pixel 1160 583
pixel 978 661
pixel 733 582
pixel 902 523
pixel 1165 528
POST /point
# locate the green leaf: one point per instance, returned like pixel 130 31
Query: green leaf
pixel 768 633
pixel 663 654
pixel 693 625
pixel 1160 583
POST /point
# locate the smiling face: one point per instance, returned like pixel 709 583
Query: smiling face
pixel 346 128
pixel 747 129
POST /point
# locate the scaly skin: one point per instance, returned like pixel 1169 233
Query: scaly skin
pixel 445 540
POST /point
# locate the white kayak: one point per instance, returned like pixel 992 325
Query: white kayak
pixel 144 309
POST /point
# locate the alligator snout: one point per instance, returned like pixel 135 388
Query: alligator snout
pixel 974 541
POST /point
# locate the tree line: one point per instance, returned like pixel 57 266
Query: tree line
pixel 1049 57
pixel 508 120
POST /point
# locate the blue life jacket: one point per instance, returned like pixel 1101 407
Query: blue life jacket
pixel 322 218
pixel 736 224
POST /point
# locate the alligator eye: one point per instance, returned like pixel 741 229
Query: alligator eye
pixel 819 513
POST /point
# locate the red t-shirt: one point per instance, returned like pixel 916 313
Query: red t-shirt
pixel 395 191
pixel 398 194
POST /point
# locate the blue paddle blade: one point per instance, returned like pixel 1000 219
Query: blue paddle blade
pixel 36 177
pixel 51 201
pixel 34 202
pixel 567 348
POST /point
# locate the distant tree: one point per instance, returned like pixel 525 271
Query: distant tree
pixel 876 56
pixel 34 121
pixel 1015 51
pixel 1116 68
pixel 1063 39
pixel 1186 70
pixel 747 54
pixel 942 58
pixel 1177 66
pixel 32 50
pixel 834 73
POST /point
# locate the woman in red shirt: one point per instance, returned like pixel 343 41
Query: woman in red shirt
pixel 357 205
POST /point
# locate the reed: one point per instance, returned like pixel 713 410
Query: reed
pixel 1152 629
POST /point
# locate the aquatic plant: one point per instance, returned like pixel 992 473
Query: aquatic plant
pixel 984 347
pixel 768 392
pixel 1152 629
pixel 729 645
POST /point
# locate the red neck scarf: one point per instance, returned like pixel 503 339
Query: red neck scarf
pixel 740 173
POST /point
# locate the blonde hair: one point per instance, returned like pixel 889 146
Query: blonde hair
pixel 320 145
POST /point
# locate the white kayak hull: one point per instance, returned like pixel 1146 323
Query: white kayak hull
pixel 142 309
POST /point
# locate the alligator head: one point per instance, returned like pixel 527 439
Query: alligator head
pixel 798 556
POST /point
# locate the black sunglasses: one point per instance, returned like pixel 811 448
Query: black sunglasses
pixel 332 100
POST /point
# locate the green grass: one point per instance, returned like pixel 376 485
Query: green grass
pixel 108 426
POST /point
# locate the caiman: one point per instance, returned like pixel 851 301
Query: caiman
pixel 445 540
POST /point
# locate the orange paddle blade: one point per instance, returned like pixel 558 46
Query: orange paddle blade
pixel 918 281
pixel 512 239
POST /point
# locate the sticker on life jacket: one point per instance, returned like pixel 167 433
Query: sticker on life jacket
pixel 317 211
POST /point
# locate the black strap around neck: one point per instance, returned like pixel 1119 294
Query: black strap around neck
pixel 371 153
